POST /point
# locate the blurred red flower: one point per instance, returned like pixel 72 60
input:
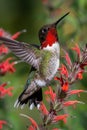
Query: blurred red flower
pixel 17 34
pixel 77 49
pixel 2 122
pixel 51 94
pixel 34 125
pixel 79 75
pixel 68 60
pixel 3 49
pixel 60 117
pixel 65 87
pixel 71 103
pixel 43 109
pixel 3 33
pixel 4 91
pixel 6 66
pixel 76 91
pixel 63 70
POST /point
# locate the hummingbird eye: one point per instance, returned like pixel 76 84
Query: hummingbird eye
pixel 44 30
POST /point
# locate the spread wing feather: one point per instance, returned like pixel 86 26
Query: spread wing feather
pixel 24 51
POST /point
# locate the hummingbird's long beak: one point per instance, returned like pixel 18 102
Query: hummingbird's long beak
pixel 61 19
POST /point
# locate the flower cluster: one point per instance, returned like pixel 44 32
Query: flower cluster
pixel 4 91
pixel 59 97
pixel 6 66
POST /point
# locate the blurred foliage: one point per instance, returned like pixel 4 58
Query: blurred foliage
pixel 16 15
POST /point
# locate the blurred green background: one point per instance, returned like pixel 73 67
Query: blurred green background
pixel 16 15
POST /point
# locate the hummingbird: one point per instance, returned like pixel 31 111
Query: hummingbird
pixel 44 61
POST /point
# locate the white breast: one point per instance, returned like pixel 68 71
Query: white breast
pixel 54 62
pixel 54 47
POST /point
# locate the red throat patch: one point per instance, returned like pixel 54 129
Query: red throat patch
pixel 51 38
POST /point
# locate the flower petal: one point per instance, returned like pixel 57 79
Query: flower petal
pixel 60 117
pixel 76 91
pixel 51 93
pixel 77 49
pixel 63 70
pixel 34 124
pixel 43 109
pixel 68 58
pixel 1 123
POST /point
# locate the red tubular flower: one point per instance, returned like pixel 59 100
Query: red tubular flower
pixel 4 91
pixel 34 125
pixel 43 109
pixel 71 103
pixel 59 79
pixel 79 75
pixel 65 87
pixel 3 33
pixel 2 122
pixel 77 49
pixel 3 49
pixel 76 92
pixel 51 94
pixel 5 66
pixel 8 91
pixel 17 34
pixel 63 70
pixel 68 60
pixel 60 117
pixel 31 128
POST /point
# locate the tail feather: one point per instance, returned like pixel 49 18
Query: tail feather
pixel 33 100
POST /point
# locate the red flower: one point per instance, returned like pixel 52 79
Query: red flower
pixel 79 75
pixel 65 87
pixel 77 49
pixel 43 109
pixel 1 123
pixel 68 58
pixel 60 117
pixel 71 103
pixel 5 66
pixel 4 91
pixel 31 128
pixel 63 70
pixel 3 33
pixel 17 34
pixel 3 49
pixel 76 91
pixel 51 94
pixel 59 79
pixel 34 125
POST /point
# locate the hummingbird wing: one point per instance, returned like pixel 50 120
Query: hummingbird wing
pixel 30 94
pixel 27 52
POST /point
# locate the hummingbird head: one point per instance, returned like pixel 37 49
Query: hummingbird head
pixel 48 33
